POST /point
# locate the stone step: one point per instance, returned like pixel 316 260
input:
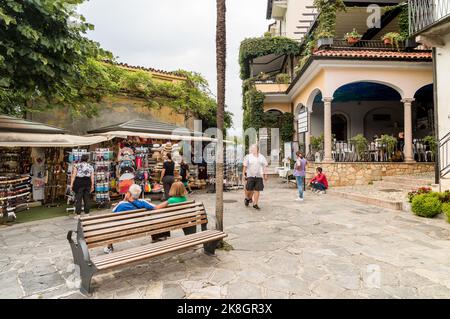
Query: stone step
pixel 384 203
pixel 398 185
pixel 409 180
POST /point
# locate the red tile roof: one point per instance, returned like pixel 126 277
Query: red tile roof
pixel 126 65
pixel 374 54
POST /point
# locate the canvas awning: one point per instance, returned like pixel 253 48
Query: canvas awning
pixel 173 137
pixel 11 139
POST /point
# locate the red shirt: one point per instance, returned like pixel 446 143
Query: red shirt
pixel 321 178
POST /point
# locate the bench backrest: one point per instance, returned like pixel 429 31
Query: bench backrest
pixel 111 228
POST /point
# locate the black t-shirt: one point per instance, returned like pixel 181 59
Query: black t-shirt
pixel 183 171
pixel 169 166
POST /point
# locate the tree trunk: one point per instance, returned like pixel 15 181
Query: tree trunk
pixel 221 44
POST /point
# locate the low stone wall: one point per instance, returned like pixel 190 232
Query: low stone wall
pixel 350 174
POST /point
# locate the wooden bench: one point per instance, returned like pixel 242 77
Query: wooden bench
pixel 111 228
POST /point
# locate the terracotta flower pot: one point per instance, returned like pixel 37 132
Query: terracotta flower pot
pixel 387 41
pixel 352 40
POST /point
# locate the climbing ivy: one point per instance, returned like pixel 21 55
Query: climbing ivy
pixel 327 16
pixel 255 47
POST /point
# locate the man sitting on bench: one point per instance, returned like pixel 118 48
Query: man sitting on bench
pixel 131 202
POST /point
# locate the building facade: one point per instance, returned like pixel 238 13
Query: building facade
pixel 342 91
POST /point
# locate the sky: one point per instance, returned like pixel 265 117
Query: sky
pixel 178 34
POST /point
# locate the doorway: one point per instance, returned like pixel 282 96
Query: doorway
pixel 339 127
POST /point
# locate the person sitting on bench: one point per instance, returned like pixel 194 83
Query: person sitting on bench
pixel 131 202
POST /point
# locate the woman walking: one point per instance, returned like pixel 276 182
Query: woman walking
pixel 300 173
pixel 82 183
pixel 167 175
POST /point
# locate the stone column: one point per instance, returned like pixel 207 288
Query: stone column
pixel 408 150
pixel 327 129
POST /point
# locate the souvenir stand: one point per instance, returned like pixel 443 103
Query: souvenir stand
pixel 141 146
pixel 33 171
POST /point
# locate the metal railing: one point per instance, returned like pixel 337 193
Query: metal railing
pixel 349 151
pixel 425 13
pixel 444 155
pixel 368 44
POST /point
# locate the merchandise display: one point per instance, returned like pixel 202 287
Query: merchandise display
pixel 15 193
pixel 104 173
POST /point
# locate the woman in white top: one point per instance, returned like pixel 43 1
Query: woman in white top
pixel 82 183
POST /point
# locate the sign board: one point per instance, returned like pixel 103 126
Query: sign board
pixel 303 122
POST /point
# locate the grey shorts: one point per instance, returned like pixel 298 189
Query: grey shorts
pixel 255 184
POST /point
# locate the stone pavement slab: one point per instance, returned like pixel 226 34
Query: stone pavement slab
pixel 324 247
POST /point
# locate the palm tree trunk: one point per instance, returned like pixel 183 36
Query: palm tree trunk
pixel 221 66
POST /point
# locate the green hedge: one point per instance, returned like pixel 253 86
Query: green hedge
pixel 426 205
pixel 446 210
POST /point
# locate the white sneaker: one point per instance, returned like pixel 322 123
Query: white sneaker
pixel 107 250
pixel 299 199
pixel 323 192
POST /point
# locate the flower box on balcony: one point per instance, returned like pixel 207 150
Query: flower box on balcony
pixel 324 42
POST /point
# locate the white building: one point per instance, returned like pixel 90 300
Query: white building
pixel 430 23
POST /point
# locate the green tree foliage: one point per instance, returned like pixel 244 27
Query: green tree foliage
pixel 42 51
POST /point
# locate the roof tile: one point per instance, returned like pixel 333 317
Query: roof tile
pixel 377 54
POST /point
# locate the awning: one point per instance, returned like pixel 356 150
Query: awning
pixel 8 139
pixel 15 124
pixel 173 137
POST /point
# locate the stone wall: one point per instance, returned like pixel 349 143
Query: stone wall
pixel 111 110
pixel 350 174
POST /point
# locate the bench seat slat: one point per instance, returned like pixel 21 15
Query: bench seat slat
pixel 157 244
pixel 141 224
pixel 90 220
pixel 102 259
pixel 136 219
pixel 154 253
pixel 142 233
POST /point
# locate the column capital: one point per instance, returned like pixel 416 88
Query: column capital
pixel 327 99
pixel 408 100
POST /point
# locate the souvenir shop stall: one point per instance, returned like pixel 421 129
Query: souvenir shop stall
pixel 33 169
pixel 140 148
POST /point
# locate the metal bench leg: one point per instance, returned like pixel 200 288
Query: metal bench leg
pixel 86 273
pixel 210 248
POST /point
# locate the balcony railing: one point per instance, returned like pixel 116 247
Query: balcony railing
pixel 364 44
pixel 425 13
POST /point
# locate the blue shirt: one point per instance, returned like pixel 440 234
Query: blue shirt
pixel 124 206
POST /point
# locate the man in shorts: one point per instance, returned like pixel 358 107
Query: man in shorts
pixel 254 172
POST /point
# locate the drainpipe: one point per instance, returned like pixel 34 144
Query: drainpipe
pixel 437 168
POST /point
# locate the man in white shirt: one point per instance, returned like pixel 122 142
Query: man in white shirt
pixel 254 172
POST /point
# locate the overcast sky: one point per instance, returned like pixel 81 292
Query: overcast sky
pixel 177 34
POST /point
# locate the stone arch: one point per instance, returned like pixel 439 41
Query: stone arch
pixel 312 96
pixel 388 84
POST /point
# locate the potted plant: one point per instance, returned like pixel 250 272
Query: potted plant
pixel 391 38
pixel 361 144
pixel 282 78
pixel 324 39
pixel 352 37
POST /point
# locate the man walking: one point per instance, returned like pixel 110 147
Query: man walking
pixel 300 173
pixel 255 172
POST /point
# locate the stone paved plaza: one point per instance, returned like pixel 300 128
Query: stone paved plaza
pixel 324 247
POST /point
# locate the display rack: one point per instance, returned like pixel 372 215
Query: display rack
pixel 15 191
pixel 103 170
